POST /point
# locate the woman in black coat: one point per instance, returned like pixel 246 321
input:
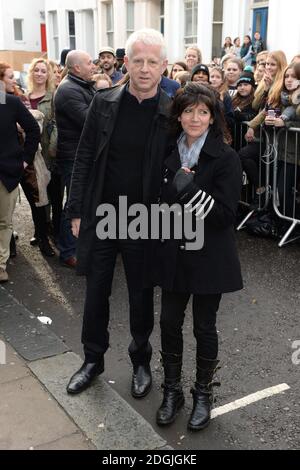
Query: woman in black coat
pixel 203 174
pixel 14 158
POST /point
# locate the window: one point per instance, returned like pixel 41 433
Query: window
pixel 110 24
pixel 129 17
pixel 18 29
pixel 162 17
pixel 190 21
pixel 217 28
pixel 72 36
pixel 54 33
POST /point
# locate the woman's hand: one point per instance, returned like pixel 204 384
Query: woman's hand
pixel 25 165
pixel 184 176
pixel 270 120
pixel 279 122
pixel 274 121
pixel 268 80
pixel 187 170
pixel 249 136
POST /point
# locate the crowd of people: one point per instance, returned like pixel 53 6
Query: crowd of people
pixel 126 125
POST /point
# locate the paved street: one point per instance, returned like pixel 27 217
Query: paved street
pixel 257 329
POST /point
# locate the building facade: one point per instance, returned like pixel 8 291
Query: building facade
pixel 90 24
pixel 22 31
pixel 72 24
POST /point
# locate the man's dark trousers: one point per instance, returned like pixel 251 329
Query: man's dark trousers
pixel 95 336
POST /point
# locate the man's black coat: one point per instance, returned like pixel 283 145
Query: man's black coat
pixel 91 159
pixel 72 101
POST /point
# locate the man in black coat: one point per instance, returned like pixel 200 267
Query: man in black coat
pixel 120 154
pixel 13 159
pixel 72 101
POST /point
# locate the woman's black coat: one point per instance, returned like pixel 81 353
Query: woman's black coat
pixel 215 268
pixel 12 153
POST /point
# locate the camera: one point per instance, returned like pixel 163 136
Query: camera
pixel 271 113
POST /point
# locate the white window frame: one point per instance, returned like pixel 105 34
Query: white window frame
pixel 193 38
pixel 130 17
pixel 215 23
pixel 110 27
pixel 72 37
pixel 162 16
pixel 259 3
pixel 53 20
pixel 21 25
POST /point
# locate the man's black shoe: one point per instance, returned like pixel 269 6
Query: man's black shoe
pixel 34 241
pixel 83 378
pixel 45 247
pixel 141 380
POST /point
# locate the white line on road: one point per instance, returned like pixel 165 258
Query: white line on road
pixel 242 402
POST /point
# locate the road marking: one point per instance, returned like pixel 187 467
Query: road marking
pixel 242 402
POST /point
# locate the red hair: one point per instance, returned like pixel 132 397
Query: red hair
pixel 3 67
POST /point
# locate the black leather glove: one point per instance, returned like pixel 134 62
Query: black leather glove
pixel 182 180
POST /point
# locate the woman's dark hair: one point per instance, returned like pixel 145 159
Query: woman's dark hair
pixel 241 101
pixel 295 66
pixel 230 42
pixel 182 65
pixel 247 36
pixel 192 95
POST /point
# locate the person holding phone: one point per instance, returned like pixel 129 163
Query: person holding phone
pixel 267 96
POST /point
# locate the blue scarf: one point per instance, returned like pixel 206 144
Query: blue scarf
pixel 189 156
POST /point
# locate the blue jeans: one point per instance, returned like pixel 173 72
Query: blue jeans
pixel 66 241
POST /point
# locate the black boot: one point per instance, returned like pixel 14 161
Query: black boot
pixel 202 394
pixel 12 247
pixel 173 395
pixel 45 247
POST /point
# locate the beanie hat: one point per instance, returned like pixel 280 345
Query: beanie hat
pixel 120 53
pixel 246 77
pixel 200 68
pixel 63 56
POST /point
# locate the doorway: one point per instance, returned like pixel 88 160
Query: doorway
pixel 260 22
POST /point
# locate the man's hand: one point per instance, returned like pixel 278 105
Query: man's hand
pixel 76 227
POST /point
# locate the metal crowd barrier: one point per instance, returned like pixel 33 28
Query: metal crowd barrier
pixel 286 203
pixel 266 152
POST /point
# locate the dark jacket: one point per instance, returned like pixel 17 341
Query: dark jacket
pixel 72 101
pixel 91 160
pixel 215 268
pixel 12 153
pixel 240 129
pixel 169 86
pixel 289 147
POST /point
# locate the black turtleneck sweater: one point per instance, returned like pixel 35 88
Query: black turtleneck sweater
pixel 124 171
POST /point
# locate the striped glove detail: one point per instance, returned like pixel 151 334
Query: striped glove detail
pixel 211 205
pixel 202 203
